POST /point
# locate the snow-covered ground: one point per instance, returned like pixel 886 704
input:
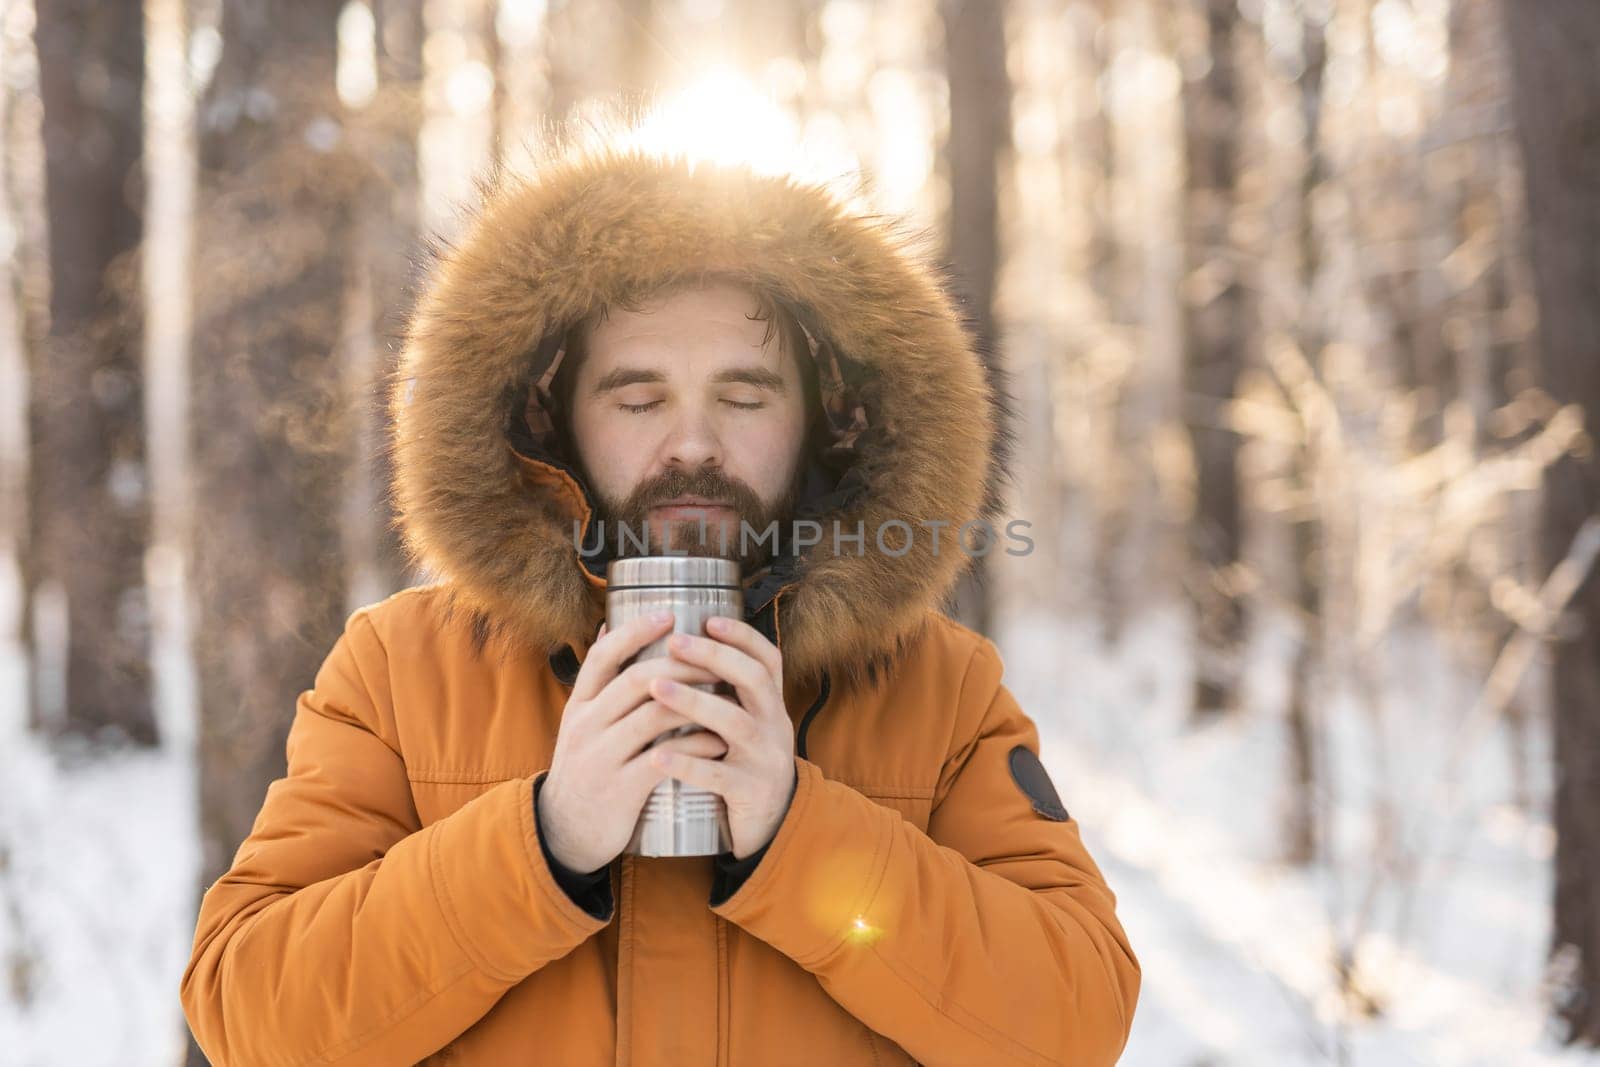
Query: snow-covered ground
pixel 1236 946
pixel 98 888
pixel 97 907
pixel 99 874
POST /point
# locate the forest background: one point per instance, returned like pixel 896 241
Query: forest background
pixel 1301 300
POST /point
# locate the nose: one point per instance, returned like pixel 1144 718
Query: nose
pixel 692 441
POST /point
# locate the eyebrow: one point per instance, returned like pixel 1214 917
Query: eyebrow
pixel 760 377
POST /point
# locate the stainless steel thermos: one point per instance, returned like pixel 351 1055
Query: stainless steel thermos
pixel 678 819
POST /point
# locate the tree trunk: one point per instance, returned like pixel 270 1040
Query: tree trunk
pixel 1302 829
pixel 1117 277
pixel 90 509
pixel 640 59
pixel 391 220
pixel 1216 326
pixel 980 139
pixel 272 427
pixel 1556 104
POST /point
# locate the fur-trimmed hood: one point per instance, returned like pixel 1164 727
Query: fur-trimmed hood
pixel 487 511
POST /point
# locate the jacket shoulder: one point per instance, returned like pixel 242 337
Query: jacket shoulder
pixel 956 647
pixel 419 618
pixel 410 608
pixel 951 670
pixel 968 665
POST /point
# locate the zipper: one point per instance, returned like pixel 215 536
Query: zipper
pixel 624 1019
pixel 724 997
pixel 811 713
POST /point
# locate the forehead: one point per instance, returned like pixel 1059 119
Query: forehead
pixel 719 319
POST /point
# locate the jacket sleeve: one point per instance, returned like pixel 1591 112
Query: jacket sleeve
pixel 728 874
pixel 346 933
pixel 590 891
pixel 992 938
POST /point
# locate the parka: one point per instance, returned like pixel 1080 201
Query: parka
pixel 927 897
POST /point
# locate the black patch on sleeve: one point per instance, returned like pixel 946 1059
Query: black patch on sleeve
pixel 1035 784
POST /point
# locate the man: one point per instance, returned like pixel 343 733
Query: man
pixel 439 877
pixel 691 412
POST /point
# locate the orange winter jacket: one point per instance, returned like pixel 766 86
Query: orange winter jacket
pixel 926 898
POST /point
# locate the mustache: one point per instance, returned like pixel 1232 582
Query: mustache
pixel 706 484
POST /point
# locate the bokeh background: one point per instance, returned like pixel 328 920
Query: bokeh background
pixel 1301 300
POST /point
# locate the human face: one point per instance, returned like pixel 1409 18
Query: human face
pixel 681 400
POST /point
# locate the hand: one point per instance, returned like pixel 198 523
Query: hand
pixel 757 777
pixel 599 777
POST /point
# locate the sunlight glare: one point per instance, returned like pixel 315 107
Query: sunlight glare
pixel 722 118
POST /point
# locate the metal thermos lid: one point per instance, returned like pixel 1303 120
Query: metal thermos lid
pixel 681 571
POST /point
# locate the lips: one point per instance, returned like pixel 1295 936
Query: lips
pixel 692 502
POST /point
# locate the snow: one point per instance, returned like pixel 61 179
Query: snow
pixel 1236 946
pixel 100 894
pixel 99 877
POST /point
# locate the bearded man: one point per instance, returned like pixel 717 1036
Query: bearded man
pixel 625 340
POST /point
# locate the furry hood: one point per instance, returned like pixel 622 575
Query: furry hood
pixel 922 434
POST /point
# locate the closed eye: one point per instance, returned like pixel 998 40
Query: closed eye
pixel 640 408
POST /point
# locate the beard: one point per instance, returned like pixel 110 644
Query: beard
pixel 628 521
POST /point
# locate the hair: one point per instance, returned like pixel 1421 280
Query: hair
pixel 779 319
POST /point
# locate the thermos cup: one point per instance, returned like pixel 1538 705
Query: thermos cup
pixel 678 819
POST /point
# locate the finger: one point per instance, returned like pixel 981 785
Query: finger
pixel 624 693
pixel 719 776
pixel 749 640
pixel 717 714
pixel 644 770
pixel 756 688
pixel 701 743
pixel 649 723
pixel 671 667
pixel 608 653
pixel 641 775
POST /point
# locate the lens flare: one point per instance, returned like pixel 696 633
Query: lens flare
pixel 861 932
